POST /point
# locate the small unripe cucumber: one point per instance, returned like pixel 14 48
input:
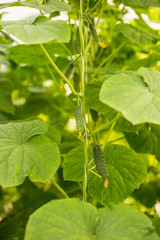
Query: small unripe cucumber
pixel 69 70
pixel 76 46
pixel 79 119
pixel 100 162
pixel 93 32
pixel 76 81
pixel 92 20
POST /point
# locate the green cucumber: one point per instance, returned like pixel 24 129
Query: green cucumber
pixel 69 70
pixel 94 33
pixel 79 119
pixel 76 46
pixel 76 81
pixel 100 162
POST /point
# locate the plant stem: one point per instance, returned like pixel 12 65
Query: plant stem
pixel 108 58
pixel 58 70
pixel 91 39
pixel 83 99
pixel 110 130
pixel 102 127
pixel 94 173
pixel 116 140
pixel 59 188
pixel 67 50
pixel 92 9
pixel 52 75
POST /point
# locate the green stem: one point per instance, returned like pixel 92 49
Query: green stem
pixel 89 11
pixel 116 140
pixel 110 130
pixel 91 39
pixel 102 127
pixel 41 12
pixel 67 50
pixel 83 99
pixel 51 73
pixel 94 173
pixel 58 70
pixel 108 58
pixel 59 188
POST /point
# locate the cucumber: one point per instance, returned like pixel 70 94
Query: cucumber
pixel 100 162
pixel 76 46
pixel 76 81
pixel 94 33
pixel 79 119
pixel 69 70
pixel 91 19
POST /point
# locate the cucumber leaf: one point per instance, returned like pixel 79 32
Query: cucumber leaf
pixel 26 151
pixel 72 219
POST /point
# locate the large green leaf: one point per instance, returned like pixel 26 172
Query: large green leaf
pixel 147 140
pixel 156 223
pixel 138 99
pixel 29 54
pixel 137 35
pixel 142 3
pixel 26 151
pixel 74 164
pixel 92 100
pixel 49 7
pixel 126 172
pixel 5 96
pixel 72 219
pixel 40 30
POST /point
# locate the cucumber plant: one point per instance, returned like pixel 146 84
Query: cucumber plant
pixel 82 163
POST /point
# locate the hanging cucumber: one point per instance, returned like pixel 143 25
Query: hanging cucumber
pixel 76 46
pixel 91 19
pixel 68 73
pixel 93 32
pixel 69 70
pixel 100 162
pixel 76 81
pixel 79 119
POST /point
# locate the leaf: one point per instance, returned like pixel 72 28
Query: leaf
pixel 92 100
pixel 137 99
pixel 137 35
pixel 123 125
pixel 31 197
pixel 29 54
pixel 6 88
pixel 72 219
pixel 40 30
pixel 156 223
pixel 26 151
pixel 146 140
pixel 49 7
pixel 53 134
pixel 126 172
pixel 74 164
pixel 141 3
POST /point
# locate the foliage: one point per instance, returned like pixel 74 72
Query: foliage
pixel 96 73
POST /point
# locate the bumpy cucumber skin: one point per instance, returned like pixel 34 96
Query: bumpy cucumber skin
pixel 69 70
pixel 79 119
pixel 100 162
pixel 76 46
pixel 76 81
pixel 94 33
